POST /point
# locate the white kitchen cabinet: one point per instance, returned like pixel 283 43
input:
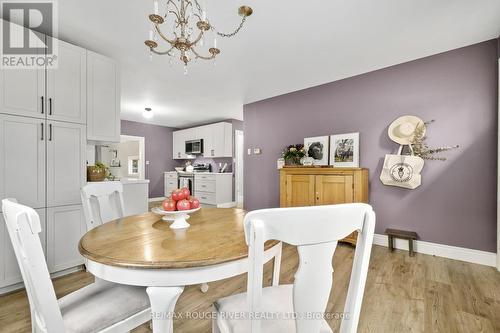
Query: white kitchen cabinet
pixel 9 268
pixel 214 188
pixel 22 92
pixel 65 227
pixel 103 99
pixel 22 157
pixel 66 160
pixel 177 144
pixel 66 85
pixel 218 140
pixel 171 182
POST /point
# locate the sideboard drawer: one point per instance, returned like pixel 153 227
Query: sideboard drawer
pixel 206 197
pixel 205 186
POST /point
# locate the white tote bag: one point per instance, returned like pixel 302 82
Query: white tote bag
pixel 402 170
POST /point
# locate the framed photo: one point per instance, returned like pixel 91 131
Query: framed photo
pixel 318 149
pixel 345 150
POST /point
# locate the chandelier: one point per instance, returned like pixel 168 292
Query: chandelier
pixel 182 13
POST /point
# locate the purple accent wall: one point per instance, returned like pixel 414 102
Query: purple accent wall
pixel 456 204
pixel 158 142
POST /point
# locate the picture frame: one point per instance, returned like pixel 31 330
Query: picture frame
pixel 344 152
pixel 318 148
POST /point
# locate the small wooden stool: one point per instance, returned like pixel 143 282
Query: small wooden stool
pixel 408 235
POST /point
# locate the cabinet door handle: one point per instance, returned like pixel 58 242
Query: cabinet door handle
pixel 42 131
pixel 213 152
pixel 42 104
pixel 50 106
pixel 50 132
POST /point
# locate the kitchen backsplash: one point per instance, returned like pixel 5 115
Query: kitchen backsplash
pixel 213 161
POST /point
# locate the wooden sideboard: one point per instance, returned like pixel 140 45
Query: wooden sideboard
pixel 312 186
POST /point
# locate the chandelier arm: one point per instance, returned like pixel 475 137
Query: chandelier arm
pixel 173 3
pixel 177 15
pixel 200 36
pixel 161 53
pixel 198 16
pixel 202 57
pixel 163 36
pixel 200 11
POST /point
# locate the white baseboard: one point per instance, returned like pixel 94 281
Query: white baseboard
pixel 440 250
pixel 156 199
pixel 14 287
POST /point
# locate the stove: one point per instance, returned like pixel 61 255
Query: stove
pixel 186 179
pixel 202 167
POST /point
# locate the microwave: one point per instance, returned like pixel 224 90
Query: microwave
pixel 194 147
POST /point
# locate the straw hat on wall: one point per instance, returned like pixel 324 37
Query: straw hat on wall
pixel 401 130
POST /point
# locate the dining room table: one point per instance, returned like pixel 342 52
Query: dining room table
pixel 142 250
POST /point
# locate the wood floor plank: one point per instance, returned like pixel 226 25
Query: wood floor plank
pixel 403 294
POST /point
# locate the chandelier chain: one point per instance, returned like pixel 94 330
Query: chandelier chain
pixel 221 34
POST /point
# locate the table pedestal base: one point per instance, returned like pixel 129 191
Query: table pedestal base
pixel 163 300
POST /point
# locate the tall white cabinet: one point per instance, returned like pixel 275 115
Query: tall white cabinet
pixel 103 99
pixel 66 85
pixel 46 118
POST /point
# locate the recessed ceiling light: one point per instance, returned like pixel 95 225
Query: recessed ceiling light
pixel 147 113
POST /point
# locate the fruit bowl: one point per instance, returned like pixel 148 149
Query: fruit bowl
pixel 179 217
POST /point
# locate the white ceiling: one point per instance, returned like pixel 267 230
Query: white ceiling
pixel 286 45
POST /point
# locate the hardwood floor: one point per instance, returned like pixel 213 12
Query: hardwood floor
pixel 403 294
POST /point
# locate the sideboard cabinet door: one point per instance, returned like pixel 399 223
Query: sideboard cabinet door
pixel 331 190
pixel 300 190
pixel 65 227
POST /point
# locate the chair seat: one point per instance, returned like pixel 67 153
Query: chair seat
pixel 101 305
pixel 275 300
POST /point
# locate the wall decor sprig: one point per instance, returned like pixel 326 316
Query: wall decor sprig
pixel 420 147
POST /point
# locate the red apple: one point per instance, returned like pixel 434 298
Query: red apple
pixel 194 202
pixel 177 195
pixel 183 205
pixel 169 205
pixel 186 192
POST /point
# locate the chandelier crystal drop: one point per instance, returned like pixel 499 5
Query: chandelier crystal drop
pixel 187 16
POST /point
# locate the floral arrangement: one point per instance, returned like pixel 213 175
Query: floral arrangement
pixel 293 153
pixel 421 149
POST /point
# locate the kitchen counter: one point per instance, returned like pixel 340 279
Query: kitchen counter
pixel 134 181
pixel 199 173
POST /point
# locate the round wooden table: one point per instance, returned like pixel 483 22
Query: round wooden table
pixel 142 250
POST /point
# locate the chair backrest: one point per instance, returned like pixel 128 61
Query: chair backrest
pixel 102 202
pixel 23 225
pixel 315 231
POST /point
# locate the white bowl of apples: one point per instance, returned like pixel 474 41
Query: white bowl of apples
pixel 177 208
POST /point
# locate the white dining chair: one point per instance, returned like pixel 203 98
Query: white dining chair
pixel 99 307
pixel 299 307
pixel 102 202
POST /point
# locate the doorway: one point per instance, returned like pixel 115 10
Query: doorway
pixel 238 170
